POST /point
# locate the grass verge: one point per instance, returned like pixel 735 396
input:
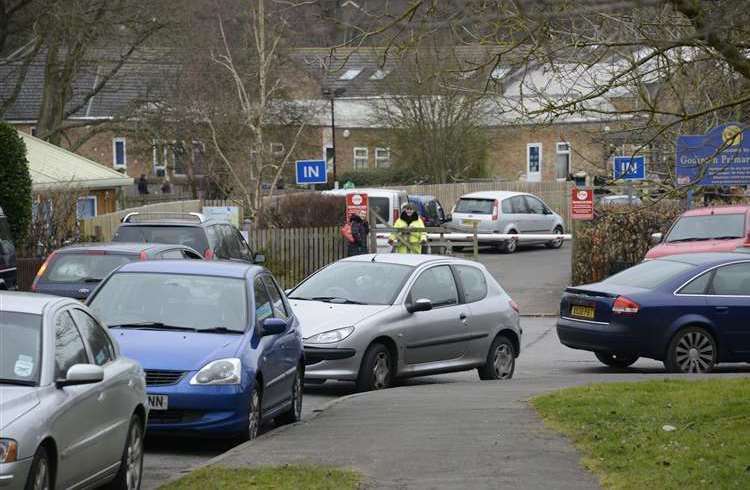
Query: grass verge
pixel 658 434
pixel 281 477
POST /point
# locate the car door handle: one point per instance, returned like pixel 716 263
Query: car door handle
pixel 721 309
pixel 462 317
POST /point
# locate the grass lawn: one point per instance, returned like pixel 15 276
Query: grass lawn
pixel 620 428
pixel 281 477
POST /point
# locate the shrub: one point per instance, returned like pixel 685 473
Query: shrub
pixel 617 238
pixel 15 183
pixel 307 209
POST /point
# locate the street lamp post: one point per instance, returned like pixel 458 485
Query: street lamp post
pixel 332 94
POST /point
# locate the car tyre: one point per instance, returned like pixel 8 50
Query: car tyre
pixel 510 246
pixel 692 350
pixel 376 372
pixel 616 360
pixel 40 477
pixel 501 360
pixel 294 414
pixel 254 414
pixel 130 474
pixel 558 242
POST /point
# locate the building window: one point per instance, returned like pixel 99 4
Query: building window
pixel 277 149
pixel 360 158
pixel 351 74
pixel 119 153
pixel 33 130
pixel 534 162
pixel 382 157
pixel 160 158
pixel 562 161
pixel 178 157
pixel 199 158
pixel 379 74
pixel 86 207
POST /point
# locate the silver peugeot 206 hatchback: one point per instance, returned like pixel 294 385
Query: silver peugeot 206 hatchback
pixel 372 319
pixel 72 409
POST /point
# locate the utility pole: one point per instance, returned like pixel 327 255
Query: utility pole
pixel 332 94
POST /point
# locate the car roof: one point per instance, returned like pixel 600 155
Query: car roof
pixel 122 247
pixel 414 260
pixel 707 258
pixel 195 267
pixel 493 195
pixel 173 222
pixel 717 210
pixel 22 302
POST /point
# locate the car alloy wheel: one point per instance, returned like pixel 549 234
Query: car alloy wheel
pixel 134 458
pixel 253 423
pixel 511 245
pixel 294 414
pixel 557 242
pixel 694 352
pixel 381 371
pixel 41 476
pixel 503 362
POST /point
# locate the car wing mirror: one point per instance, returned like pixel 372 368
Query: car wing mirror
pixel 656 238
pixel 421 304
pixel 82 374
pixel 259 259
pixel 272 326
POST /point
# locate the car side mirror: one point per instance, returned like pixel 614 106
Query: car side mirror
pixel 287 291
pixel 272 326
pixel 656 238
pixel 448 218
pixel 419 305
pixel 82 374
pixel 259 259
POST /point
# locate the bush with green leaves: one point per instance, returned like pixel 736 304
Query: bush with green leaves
pixel 617 238
pixel 15 183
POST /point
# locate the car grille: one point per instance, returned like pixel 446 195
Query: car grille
pixel 173 416
pixel 156 377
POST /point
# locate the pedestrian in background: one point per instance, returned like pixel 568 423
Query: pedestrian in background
pixel 142 185
pixel 166 186
pixel 409 236
pixel 360 230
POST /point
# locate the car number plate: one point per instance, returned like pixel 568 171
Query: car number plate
pixel 158 402
pixel 470 222
pixel 582 311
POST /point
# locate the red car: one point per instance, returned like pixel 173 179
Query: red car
pixel 720 229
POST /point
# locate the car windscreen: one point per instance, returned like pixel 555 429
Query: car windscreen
pixel 649 275
pixel 20 348
pixel 192 236
pixel 83 267
pixel 176 300
pixel 474 206
pixel 715 226
pixel 370 283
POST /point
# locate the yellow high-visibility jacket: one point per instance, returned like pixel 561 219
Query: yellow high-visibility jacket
pixel 408 238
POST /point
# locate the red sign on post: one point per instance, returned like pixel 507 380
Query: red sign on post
pixel 582 204
pixel 356 203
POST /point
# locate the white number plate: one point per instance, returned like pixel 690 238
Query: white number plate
pixel 158 402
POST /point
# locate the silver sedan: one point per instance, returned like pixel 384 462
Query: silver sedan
pixel 72 410
pixel 375 318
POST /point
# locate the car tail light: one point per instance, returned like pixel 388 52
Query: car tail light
pixel 396 215
pixel 625 306
pixel 514 305
pixel 209 254
pixel 495 210
pixel 143 255
pixel 42 270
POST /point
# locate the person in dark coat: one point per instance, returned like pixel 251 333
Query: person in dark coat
pixel 360 232
pixel 142 185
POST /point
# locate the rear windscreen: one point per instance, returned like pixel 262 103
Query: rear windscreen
pixel 649 275
pixel 381 206
pixel 84 267
pixel 179 235
pixel 475 206
pixel 715 226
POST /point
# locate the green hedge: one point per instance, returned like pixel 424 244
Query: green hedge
pixel 617 238
pixel 15 183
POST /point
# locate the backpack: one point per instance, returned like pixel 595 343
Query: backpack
pixel 346 232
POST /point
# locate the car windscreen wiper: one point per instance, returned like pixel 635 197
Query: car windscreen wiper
pixel 336 299
pixel 727 237
pixel 219 330
pixel 19 382
pixel 692 239
pixel 91 279
pixel 298 297
pixel 152 326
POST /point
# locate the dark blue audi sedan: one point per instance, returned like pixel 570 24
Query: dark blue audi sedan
pixel 689 311
pixel 219 343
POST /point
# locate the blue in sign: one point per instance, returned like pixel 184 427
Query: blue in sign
pixel 630 168
pixel 311 172
pixel 720 157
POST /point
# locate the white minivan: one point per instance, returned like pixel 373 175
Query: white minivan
pixel 385 202
pixel 507 213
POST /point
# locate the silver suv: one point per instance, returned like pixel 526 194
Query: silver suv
pixel 506 213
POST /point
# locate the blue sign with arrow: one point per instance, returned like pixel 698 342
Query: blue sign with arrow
pixel 630 168
pixel 720 157
pixel 311 172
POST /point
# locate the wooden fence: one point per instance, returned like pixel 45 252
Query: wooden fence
pixel 26 270
pixel 102 227
pixel 294 253
pixel 555 194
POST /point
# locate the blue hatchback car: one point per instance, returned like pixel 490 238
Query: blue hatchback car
pixel 219 342
pixel 690 311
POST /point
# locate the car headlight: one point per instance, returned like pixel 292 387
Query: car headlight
pixel 8 450
pixel 219 372
pixel 331 336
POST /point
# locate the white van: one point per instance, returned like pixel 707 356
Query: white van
pixel 385 202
